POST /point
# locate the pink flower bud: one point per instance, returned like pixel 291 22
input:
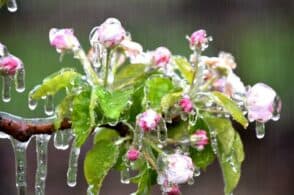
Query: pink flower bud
pixel 175 190
pixel 186 104
pixel 133 154
pixel 261 103
pixel 199 40
pixel 199 139
pixel 132 49
pixel 148 120
pixel 10 64
pixel 179 169
pixel 161 57
pixel 63 39
pixel 110 33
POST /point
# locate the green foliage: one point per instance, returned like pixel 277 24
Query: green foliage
pixel 105 134
pixel 112 103
pixel 170 100
pixel 81 117
pixel 55 82
pixel 185 68
pixel 2 3
pixel 62 110
pixel 229 150
pixel 157 87
pixel 144 183
pixel 230 106
pixel 99 160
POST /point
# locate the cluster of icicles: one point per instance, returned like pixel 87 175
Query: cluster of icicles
pixel 11 5
pixel 62 140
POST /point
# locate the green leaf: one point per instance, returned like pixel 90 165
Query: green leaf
pixel 62 110
pixel 205 157
pixel 128 74
pixel 113 103
pixel 178 130
pixel 55 82
pixel 144 184
pixel 170 100
pixel 105 134
pixel 231 107
pixel 99 160
pixel 136 107
pixel 81 117
pixel 230 151
pixel 155 88
pixel 2 3
pixel 185 68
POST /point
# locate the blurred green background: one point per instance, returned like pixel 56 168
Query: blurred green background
pixel 258 33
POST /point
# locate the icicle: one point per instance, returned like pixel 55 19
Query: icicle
pixel 31 102
pixel 90 190
pixel 230 160
pixel 277 106
pixel 42 156
pixel 193 119
pixel 191 181
pixel 184 116
pixel 6 88
pixel 213 139
pixel 197 172
pixel 162 132
pixel 20 165
pixel 11 5
pixel 73 165
pixel 125 176
pixel 49 105
pixel 62 139
pixel 20 80
pixel 4 135
pixel 260 130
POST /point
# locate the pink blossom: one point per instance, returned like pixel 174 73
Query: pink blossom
pixel 133 154
pixel 10 64
pixel 110 33
pixel 175 190
pixel 199 40
pixel 199 139
pixel 161 57
pixel 179 169
pixel 63 39
pixel 260 102
pixel 186 104
pixel 132 49
pixel 148 120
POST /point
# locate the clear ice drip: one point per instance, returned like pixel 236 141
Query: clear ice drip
pixel 20 80
pixel 42 159
pixel 6 88
pixel 259 130
pixel 12 5
pixel 62 139
pixel 162 132
pixel 20 165
pixel 49 105
pixel 73 165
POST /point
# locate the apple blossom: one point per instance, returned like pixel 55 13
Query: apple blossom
pixel 260 103
pixel 133 154
pixel 199 40
pixel 186 104
pixel 148 120
pixel 63 39
pixel 10 64
pixel 199 139
pixel 161 57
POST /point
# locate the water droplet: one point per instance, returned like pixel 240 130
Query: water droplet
pixel 11 5
pixel 90 190
pixel 193 119
pixel 42 160
pixel 49 105
pixel 20 80
pixel 184 116
pixel 191 181
pixel 197 172
pixel 213 139
pixel 20 165
pixel 6 88
pixel 162 132
pixel 32 103
pixel 73 165
pixel 125 176
pixel 4 135
pixel 277 107
pixel 62 139
pixel 260 130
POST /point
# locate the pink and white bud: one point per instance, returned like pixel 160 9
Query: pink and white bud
pixel 63 39
pixel 174 190
pixel 260 103
pixel 110 33
pixel 10 64
pixel 161 57
pixel 199 40
pixel 186 104
pixel 199 139
pixel 133 154
pixel 178 170
pixel 131 48
pixel 148 120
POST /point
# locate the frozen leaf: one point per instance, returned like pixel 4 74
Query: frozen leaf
pixel 185 68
